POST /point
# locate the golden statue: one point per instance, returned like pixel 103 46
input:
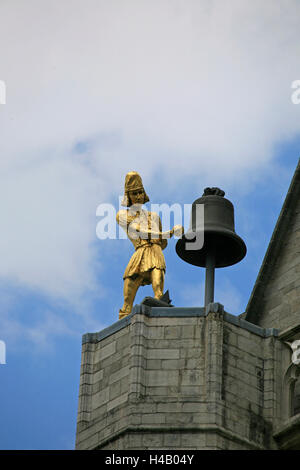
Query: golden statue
pixel 144 229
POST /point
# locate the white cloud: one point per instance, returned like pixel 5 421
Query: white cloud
pixel 183 87
pixel 35 326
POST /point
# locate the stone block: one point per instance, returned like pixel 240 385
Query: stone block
pixel 150 441
pixel 136 360
pixel 86 368
pixel 163 353
pixel 136 419
pixel 162 378
pixel 189 351
pixel 134 441
pixel 191 377
pixel 119 374
pixel 150 418
pixel 153 364
pixel 99 414
pixel 211 440
pixel 188 331
pixel 172 332
pixel 172 364
pixel 158 344
pixel 117 401
pixel 176 321
pixel 100 398
pixel 145 407
pixel 97 376
pixel 193 440
pixel 171 440
pixel 177 419
pixel 115 390
pixel 85 389
pixel 169 406
pixel 160 391
pixel 90 443
pixel 155 332
pixel 124 385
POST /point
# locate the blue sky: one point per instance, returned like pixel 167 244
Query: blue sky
pixel 190 94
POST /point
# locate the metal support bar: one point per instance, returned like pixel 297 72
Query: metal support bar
pixel 210 278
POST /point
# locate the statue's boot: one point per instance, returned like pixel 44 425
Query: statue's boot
pixel 122 314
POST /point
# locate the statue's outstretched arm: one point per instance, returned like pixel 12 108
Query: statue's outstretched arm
pixel 147 232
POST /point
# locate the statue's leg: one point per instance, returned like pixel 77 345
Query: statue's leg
pixel 158 279
pixel 130 288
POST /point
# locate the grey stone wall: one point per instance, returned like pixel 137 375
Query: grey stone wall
pixel 250 394
pixel 280 306
pixel 178 379
pixel 104 388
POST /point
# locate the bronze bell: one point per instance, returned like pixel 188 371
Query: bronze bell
pixel 219 233
pixel 222 246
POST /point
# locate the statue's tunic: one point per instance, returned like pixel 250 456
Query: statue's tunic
pixel 148 251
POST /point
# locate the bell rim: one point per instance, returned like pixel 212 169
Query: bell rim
pixel 226 234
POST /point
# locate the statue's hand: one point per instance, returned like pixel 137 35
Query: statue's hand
pixel 178 230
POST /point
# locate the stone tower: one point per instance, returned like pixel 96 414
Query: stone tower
pixel 201 378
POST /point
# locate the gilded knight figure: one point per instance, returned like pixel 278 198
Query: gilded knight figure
pixel 144 229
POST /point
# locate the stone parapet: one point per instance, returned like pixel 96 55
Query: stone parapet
pixel 177 378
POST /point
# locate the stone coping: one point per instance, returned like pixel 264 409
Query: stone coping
pixel 183 429
pixel 179 312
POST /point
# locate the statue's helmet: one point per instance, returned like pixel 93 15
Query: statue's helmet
pixel 133 182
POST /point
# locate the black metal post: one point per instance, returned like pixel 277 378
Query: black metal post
pixel 210 277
